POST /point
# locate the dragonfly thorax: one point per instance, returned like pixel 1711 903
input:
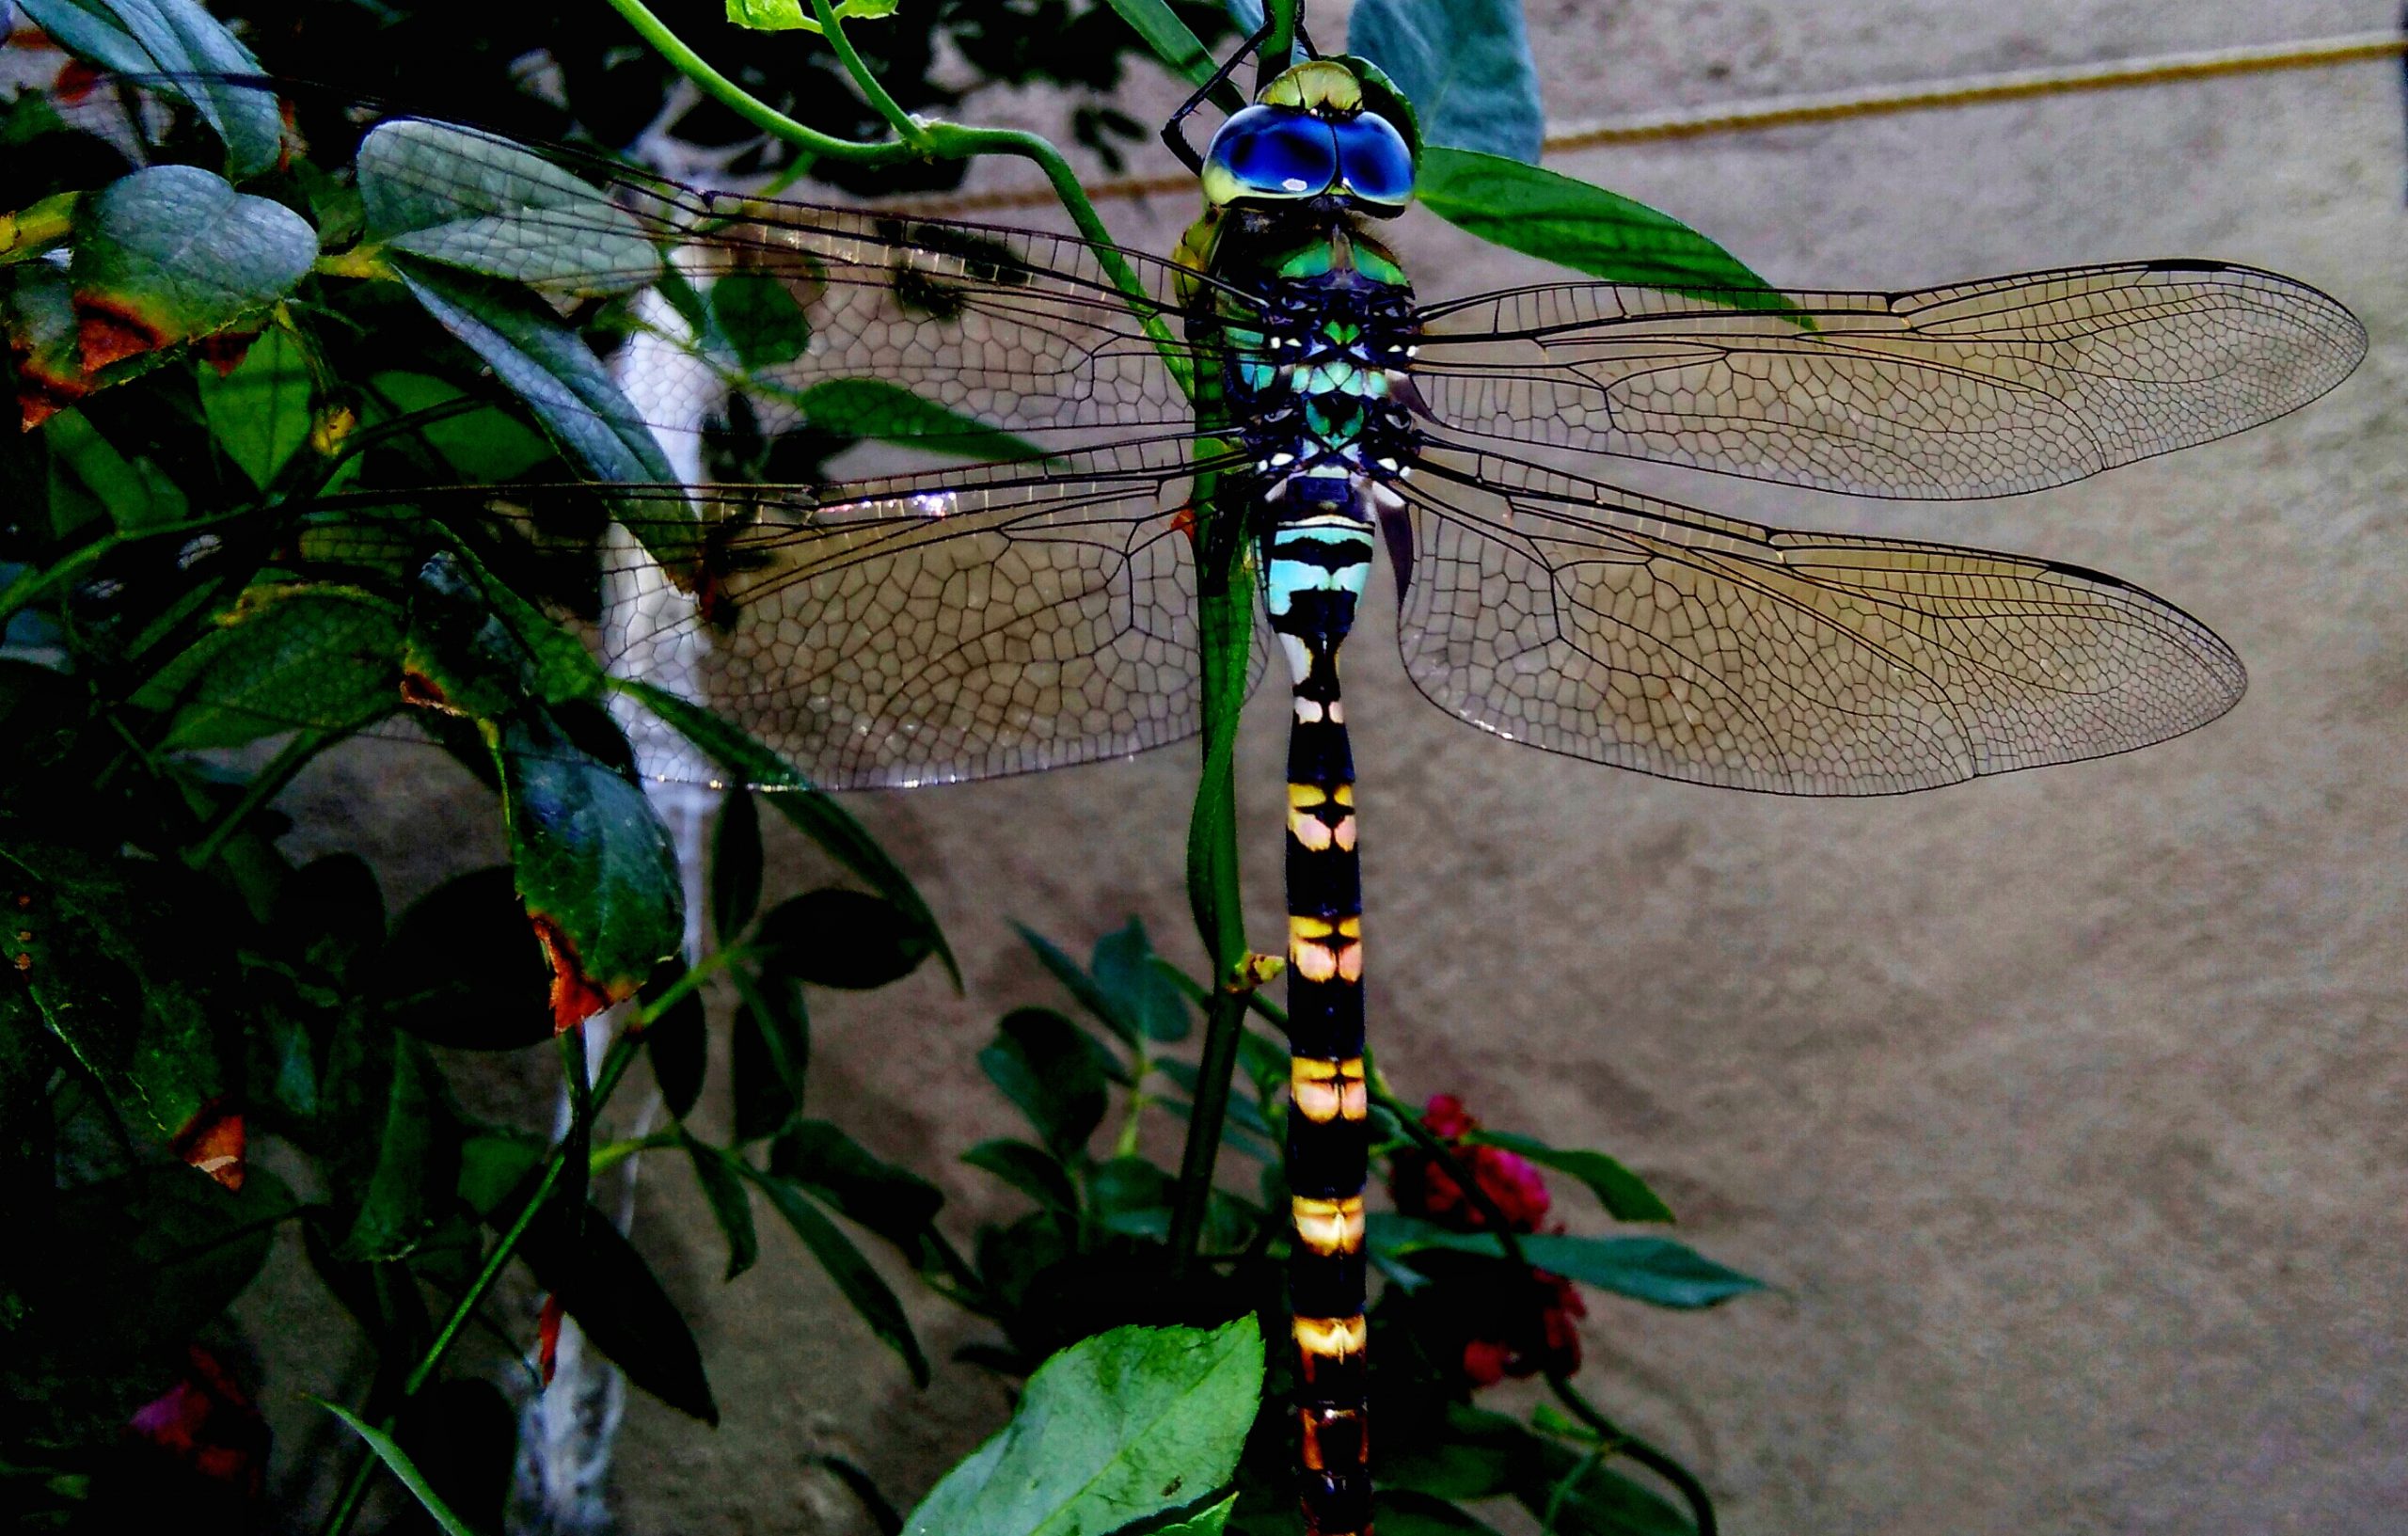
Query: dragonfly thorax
pixel 1317 334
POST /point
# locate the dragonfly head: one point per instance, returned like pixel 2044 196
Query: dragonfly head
pixel 1309 138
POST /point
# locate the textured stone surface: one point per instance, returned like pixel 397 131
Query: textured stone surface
pixel 2066 1109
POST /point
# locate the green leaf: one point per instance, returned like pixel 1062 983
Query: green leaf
pixel 259 413
pixel 189 54
pixel 1080 985
pixel 118 960
pixel 1177 45
pixel 595 868
pixel 171 252
pixel 769 1049
pixel 678 1041
pixel 1124 971
pixel 736 866
pixel 42 335
pixel 832 937
pixel 394 1154
pixel 854 1277
pixel 1032 1170
pixel 557 374
pixel 895 1203
pixel 550 663
pixel 721 1176
pixel 1657 1270
pixel 1586 228
pixel 795 15
pixel 605 1284
pixel 1623 1193
pixel 810 811
pixel 759 316
pixel 320 656
pixel 398 1462
pixel 463 969
pixel 493 1164
pixel 1464 65
pixel 1131 1196
pixel 482 204
pixel 891 414
pixel 150 1256
pixel 1116 1428
pixel 134 493
pixel 1045 1063
pixel 479 442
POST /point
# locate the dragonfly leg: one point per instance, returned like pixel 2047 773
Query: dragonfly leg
pixel 1175 131
pixel 1315 572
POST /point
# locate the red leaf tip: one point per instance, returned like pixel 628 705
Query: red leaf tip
pixel 213 1141
pixel 576 996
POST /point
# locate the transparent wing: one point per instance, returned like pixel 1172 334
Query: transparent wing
pixel 1565 613
pixel 932 628
pixel 1987 388
pixel 1022 330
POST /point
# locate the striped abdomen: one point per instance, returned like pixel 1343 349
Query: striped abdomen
pixel 1317 559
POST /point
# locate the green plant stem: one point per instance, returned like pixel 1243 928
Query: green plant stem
pixel 760 114
pixel 1280 46
pixel 265 786
pixel 41 579
pixel 1611 1435
pixel 1125 1144
pixel 1626 1444
pixel 1224 1023
pixel 610 1154
pixel 1563 1489
pixel 1226 598
pixel 929 140
pixel 831 26
pixel 615 1063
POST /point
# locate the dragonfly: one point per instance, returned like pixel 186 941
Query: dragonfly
pixel 1277 398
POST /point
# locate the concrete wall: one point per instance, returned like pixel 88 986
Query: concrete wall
pixel 2066 1109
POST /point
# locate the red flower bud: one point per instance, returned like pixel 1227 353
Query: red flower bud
pixel 1421 1188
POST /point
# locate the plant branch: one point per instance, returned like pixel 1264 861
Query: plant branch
pixel 938 140
pixel 265 786
pixel 760 114
pixel 1622 1442
pixel 906 126
pixel 615 1066
pixel 1226 599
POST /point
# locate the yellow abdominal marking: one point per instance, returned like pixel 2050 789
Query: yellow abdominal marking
pixel 1331 1338
pixel 1345 836
pixel 1330 1226
pixel 1309 710
pixel 1306 828
pixel 1316 958
pixel 1328 1090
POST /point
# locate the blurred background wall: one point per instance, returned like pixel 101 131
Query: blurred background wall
pixel 2067 1111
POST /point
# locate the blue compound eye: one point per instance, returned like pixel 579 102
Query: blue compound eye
pixel 1270 152
pixel 1373 161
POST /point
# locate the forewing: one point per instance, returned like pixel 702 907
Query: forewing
pixel 1565 613
pixel 1986 388
pixel 1022 330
